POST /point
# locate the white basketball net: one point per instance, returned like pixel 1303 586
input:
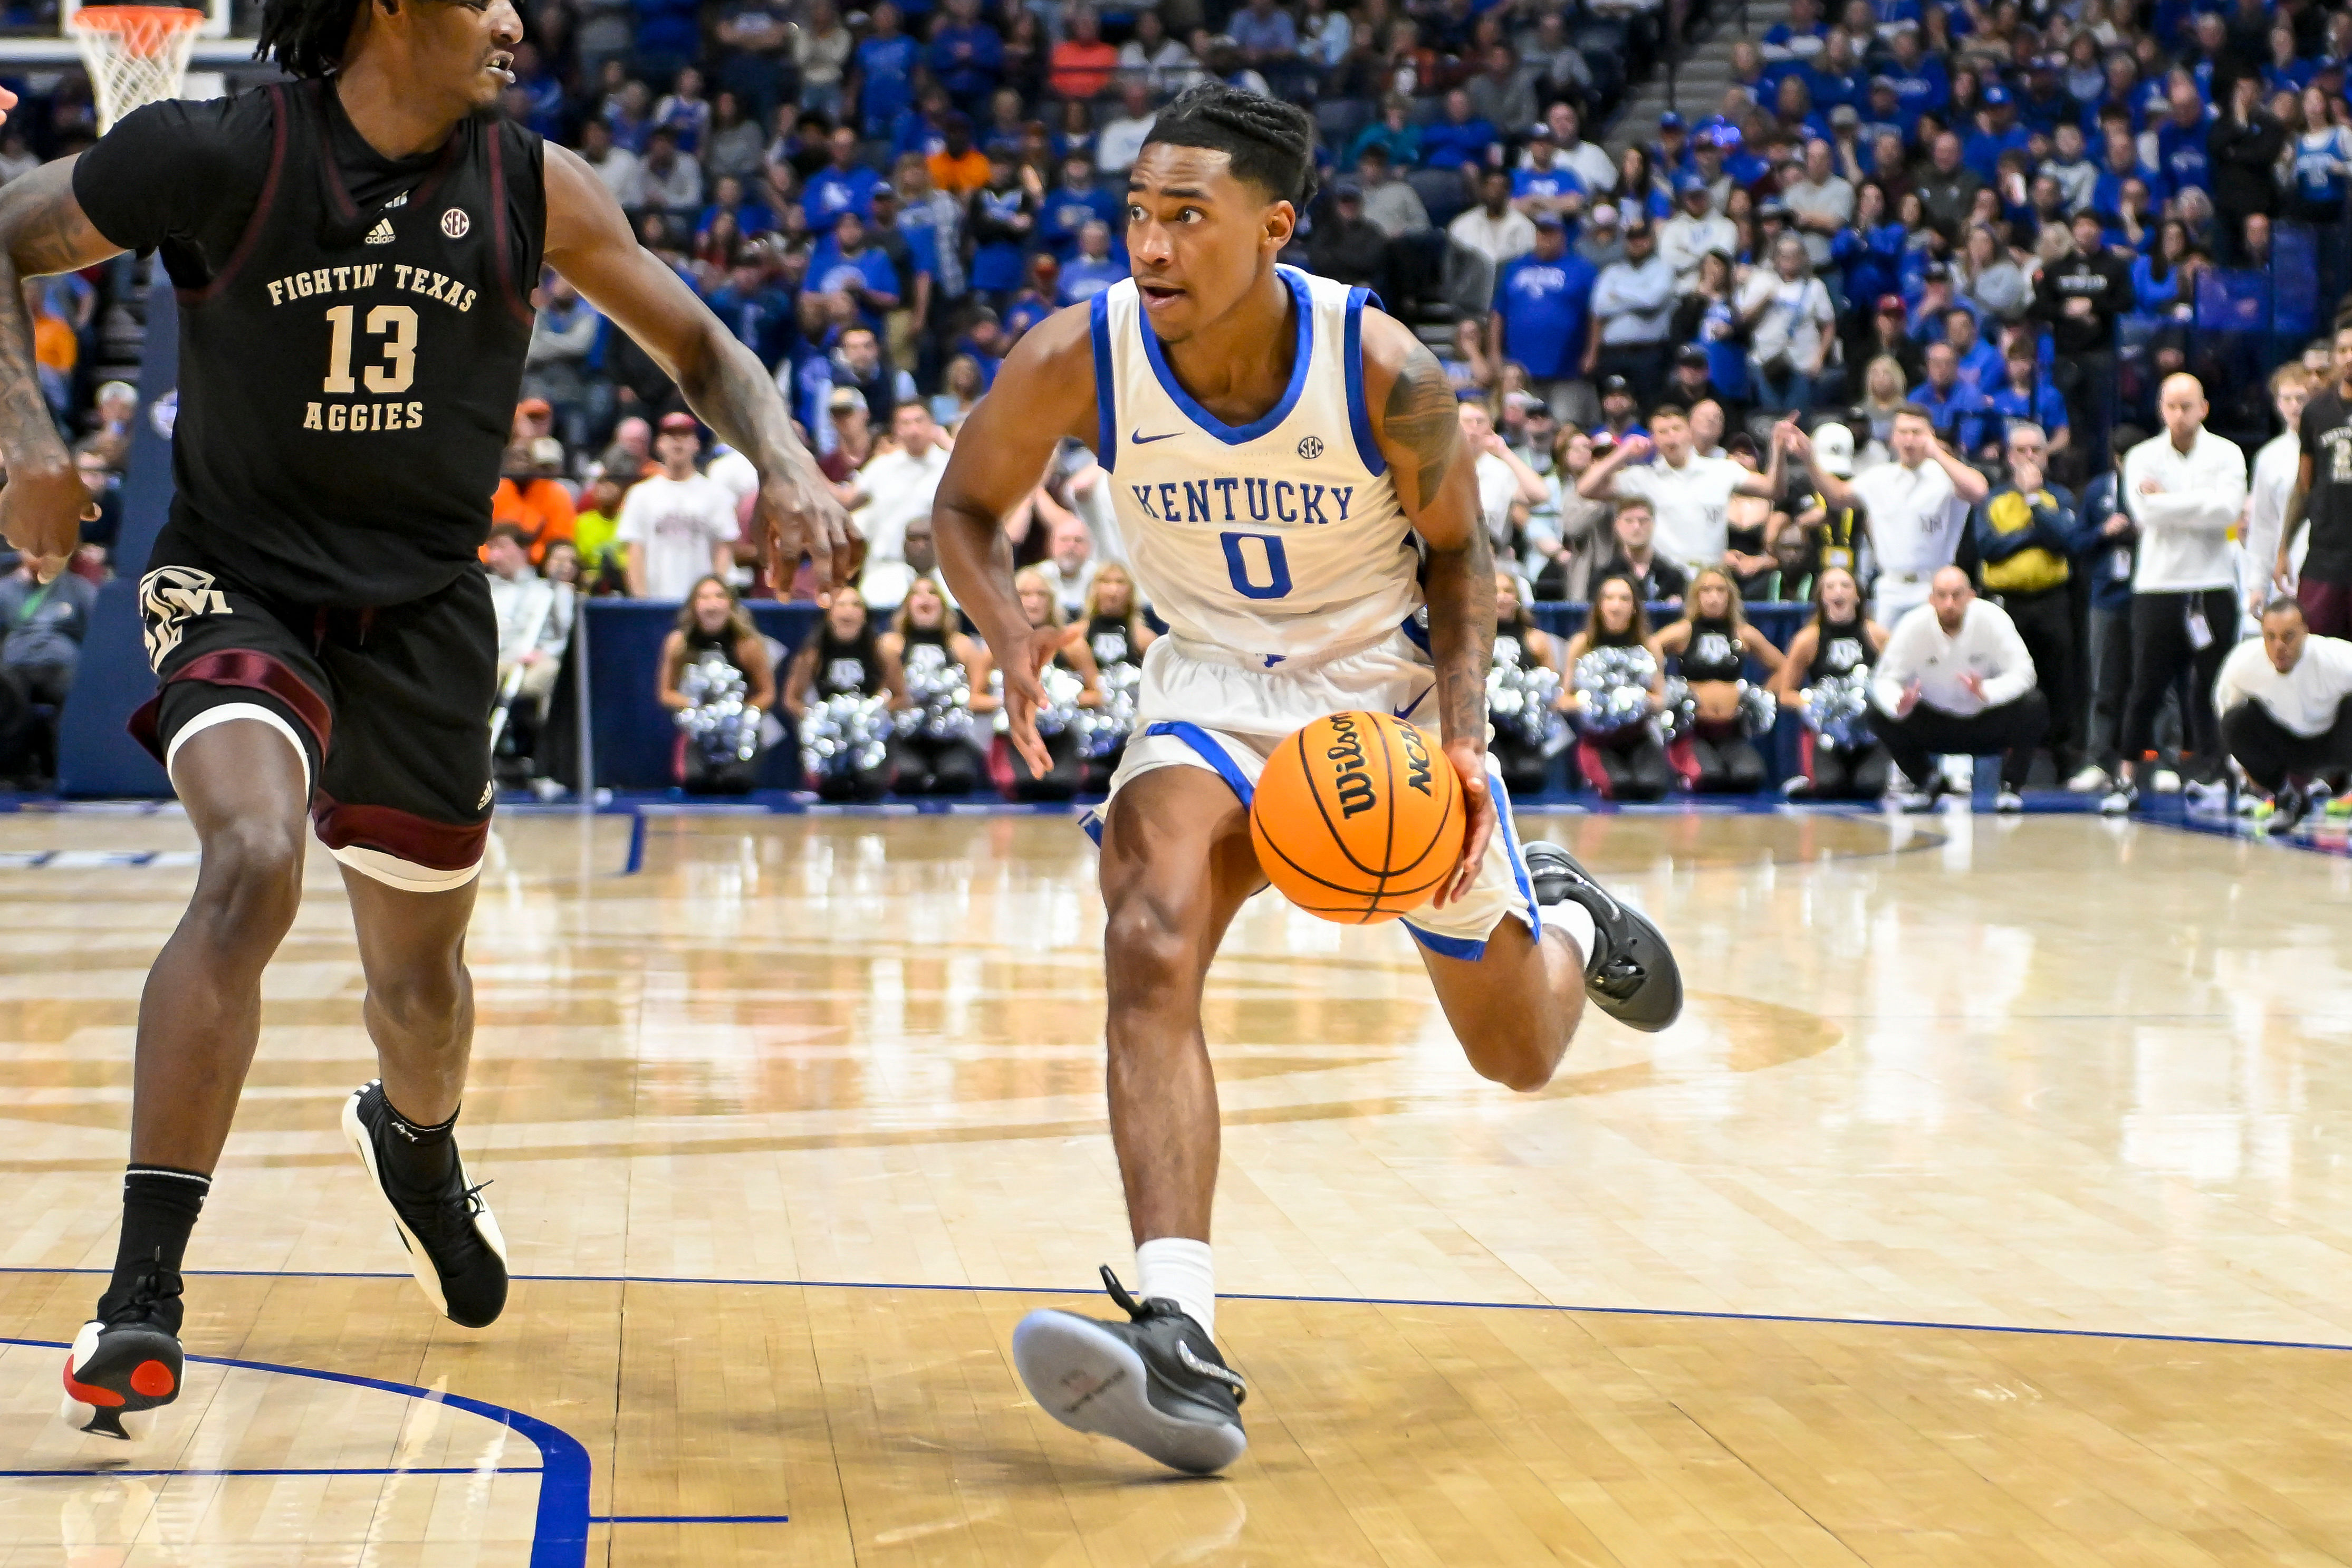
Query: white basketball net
pixel 136 54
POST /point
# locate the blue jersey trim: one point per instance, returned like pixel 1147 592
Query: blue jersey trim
pixel 1359 416
pixel 1212 753
pixel 1105 396
pixel 1469 949
pixel 1233 435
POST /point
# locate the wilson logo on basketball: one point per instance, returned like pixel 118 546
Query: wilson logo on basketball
pixel 1351 782
pixel 455 223
pixel 1354 820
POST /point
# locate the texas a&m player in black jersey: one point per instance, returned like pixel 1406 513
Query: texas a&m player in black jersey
pixel 353 254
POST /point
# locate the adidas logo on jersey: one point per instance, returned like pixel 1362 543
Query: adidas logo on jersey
pixel 382 232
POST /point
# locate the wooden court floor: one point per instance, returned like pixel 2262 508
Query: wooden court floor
pixel 1989 1206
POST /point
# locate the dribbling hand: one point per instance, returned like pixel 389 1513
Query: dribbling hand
pixel 43 509
pixel 1469 759
pixel 1024 657
pixel 797 516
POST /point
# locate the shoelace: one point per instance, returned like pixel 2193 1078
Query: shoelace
pixel 453 1212
pixel 152 1290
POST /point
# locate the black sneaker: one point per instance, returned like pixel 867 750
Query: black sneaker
pixel 2288 807
pixel 1631 972
pixel 1155 1382
pixel 454 1245
pixel 125 1364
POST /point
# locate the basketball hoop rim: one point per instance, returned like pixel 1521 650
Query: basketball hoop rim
pixel 145 29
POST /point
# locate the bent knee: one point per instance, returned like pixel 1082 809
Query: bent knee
pixel 422 998
pixel 252 877
pixel 1148 955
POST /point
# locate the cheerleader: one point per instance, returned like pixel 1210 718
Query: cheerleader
pixel 1826 674
pixel 1527 670
pixel 837 675
pixel 1114 632
pixel 717 679
pixel 936 754
pixel 1620 753
pixel 1712 642
pixel 1076 686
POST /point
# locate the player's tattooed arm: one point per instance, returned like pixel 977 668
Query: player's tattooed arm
pixel 1419 434
pixel 42 230
pixel 589 242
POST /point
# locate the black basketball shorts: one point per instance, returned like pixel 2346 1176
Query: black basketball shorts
pixel 390 708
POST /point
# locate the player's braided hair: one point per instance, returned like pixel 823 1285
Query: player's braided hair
pixel 306 38
pixel 1271 143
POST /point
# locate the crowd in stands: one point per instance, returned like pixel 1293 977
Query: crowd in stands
pixel 1889 315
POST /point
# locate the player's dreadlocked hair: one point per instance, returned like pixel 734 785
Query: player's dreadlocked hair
pixel 1271 143
pixel 306 38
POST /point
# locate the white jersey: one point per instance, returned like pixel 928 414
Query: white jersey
pixel 1277 539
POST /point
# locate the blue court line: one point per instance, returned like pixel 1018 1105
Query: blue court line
pixel 690 1519
pixel 348 1471
pixel 1694 1314
pixel 560 1532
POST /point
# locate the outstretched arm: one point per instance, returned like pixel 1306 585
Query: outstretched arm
pixel 1044 391
pixel 42 230
pixel 589 242
pixel 1419 434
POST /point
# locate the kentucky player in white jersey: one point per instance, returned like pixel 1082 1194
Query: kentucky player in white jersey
pixel 1288 476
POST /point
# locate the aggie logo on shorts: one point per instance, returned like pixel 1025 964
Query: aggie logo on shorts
pixel 169 597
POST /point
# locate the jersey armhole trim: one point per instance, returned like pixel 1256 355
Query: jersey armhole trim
pixel 1303 303
pixel 261 206
pixel 1360 413
pixel 518 307
pixel 1105 400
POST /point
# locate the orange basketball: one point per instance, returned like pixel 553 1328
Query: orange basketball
pixel 1358 817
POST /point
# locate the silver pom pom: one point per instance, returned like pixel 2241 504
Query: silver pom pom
pixel 844 736
pixel 1837 710
pixel 939 696
pixel 1615 683
pixel 1682 709
pixel 1757 711
pixel 718 723
pixel 1107 726
pixel 1520 700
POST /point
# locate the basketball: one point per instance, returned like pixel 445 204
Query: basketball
pixel 1358 817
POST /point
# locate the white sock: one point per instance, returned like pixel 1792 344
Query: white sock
pixel 1182 1271
pixel 1576 920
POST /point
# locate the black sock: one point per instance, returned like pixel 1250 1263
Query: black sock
pixel 160 1206
pixel 419 1158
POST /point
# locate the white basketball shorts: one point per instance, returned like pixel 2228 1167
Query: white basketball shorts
pixel 1203 707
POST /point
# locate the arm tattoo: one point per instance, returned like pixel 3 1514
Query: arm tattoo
pixel 42 230
pixel 1420 417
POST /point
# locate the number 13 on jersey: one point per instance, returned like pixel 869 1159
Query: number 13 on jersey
pixel 393 369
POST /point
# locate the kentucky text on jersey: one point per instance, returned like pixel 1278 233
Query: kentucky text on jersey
pixel 340 279
pixel 1262 501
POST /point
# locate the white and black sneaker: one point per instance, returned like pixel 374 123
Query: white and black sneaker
pixel 1630 973
pixel 1156 1381
pixel 125 1363
pixel 454 1245
pixel 2119 800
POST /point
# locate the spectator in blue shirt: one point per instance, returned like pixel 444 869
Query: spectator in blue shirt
pixel 1835 76
pixel 1978 363
pixel 2284 72
pixel 1002 218
pixel 2044 102
pixel 1395 130
pixel 1958 412
pixel 924 127
pixel 752 219
pixel 1094 268
pixel 2180 137
pixel 1922 83
pixel 1545 183
pixel 2123 164
pixel 1997 133
pixel 1460 138
pixel 844 185
pixel 844 263
pixel 1543 311
pixel 966 56
pixel 1264 34
pixel 1801 37
pixel 2026 394
pixel 2121 95
pixel 883 72
pixel 1078 201
pixel 1883 114
pixel 759 313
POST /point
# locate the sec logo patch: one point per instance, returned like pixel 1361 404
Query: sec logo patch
pixel 455 223
pixel 1312 447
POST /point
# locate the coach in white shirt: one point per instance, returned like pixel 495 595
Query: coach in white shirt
pixel 1956 679
pixel 1496 229
pixel 2286 707
pixel 896 487
pixel 2186 489
pixel 1916 506
pixel 678 524
pixel 1688 494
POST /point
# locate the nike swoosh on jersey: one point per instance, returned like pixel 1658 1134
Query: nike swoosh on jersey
pixel 1137 439
pixel 1406 711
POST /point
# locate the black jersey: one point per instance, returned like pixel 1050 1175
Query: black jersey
pixel 1713 652
pixel 1840 648
pixel 846 668
pixel 1112 642
pixel 351 334
pixel 2326 436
